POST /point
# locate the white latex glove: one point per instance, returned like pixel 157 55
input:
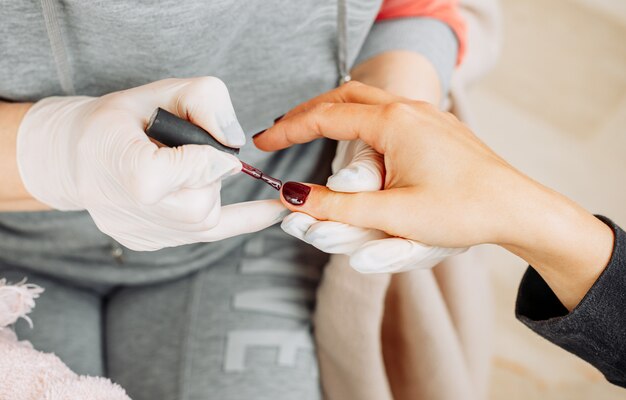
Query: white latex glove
pixel 358 168
pixel 89 153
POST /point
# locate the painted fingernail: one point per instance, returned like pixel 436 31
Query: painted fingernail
pixel 295 193
pixel 279 118
pixel 258 134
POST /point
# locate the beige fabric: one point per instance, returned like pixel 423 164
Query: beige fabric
pixel 484 34
pixel 421 334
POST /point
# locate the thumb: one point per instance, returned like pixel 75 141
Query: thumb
pixel 350 208
pixel 205 102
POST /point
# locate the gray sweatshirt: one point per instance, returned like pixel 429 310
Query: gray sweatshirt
pixel 272 55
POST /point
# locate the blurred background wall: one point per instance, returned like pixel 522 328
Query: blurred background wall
pixel 555 107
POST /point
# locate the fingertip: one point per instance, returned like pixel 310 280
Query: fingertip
pixel 233 132
pixel 256 135
pixel 265 140
pixel 205 102
pixel 258 141
pixel 297 224
pixel 273 138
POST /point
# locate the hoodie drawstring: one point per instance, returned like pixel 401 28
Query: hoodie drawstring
pixel 342 42
pixel 59 51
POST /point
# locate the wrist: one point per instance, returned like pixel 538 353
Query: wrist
pixel 565 244
pixel 13 194
pixel 45 149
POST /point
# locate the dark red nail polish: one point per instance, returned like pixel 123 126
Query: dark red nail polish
pixel 258 134
pixel 279 118
pixel 295 193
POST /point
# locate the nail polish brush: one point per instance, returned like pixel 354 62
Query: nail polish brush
pixel 172 131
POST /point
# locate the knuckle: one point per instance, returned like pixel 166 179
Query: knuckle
pixel 396 111
pixel 109 101
pixel 321 108
pixel 195 212
pixel 331 208
pixel 100 117
pixel 212 219
pixel 209 83
pixel 200 92
pixel 424 109
pixel 314 118
pixel 346 91
pixel 113 105
pixel 351 86
pixel 423 105
pixel 143 179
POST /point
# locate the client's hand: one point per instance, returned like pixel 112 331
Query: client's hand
pixel 437 189
pixel 357 167
pixel 443 187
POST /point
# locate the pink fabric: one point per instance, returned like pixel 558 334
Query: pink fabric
pixel 444 10
pixel 27 374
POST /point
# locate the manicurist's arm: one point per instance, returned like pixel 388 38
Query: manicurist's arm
pixel 444 187
pixel 13 195
pixel 91 153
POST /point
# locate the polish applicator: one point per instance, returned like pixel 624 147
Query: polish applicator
pixel 172 131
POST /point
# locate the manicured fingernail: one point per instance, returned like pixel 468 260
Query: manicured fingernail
pixel 295 193
pixel 258 134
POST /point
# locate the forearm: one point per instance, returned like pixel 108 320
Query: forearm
pixel 574 293
pixel 13 194
pixel 403 73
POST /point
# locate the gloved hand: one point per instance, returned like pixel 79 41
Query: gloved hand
pixel 89 153
pixel 359 168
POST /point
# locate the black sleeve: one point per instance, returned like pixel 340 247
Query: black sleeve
pixel 596 329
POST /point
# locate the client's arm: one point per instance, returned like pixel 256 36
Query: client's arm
pixel 444 187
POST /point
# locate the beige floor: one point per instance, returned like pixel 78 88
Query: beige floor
pixel 555 106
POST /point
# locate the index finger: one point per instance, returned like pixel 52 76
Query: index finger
pixel 351 92
pixel 337 121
